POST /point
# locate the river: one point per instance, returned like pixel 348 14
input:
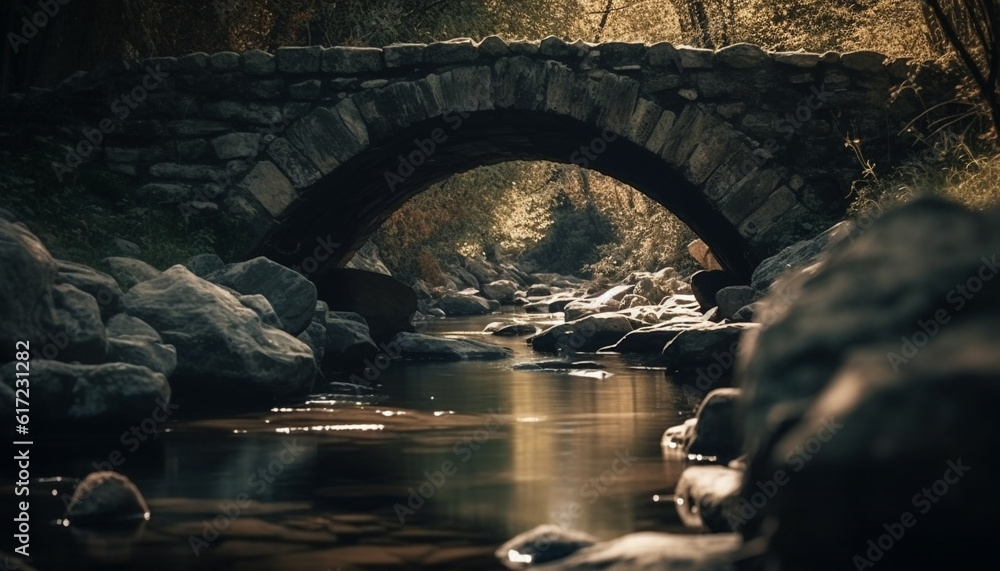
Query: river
pixel 452 460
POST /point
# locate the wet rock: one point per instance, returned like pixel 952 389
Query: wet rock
pixel 515 330
pixel 676 439
pixel 123 325
pixel 798 255
pixel 27 274
pixel 709 496
pixel 367 259
pixel 262 308
pixel 715 437
pixel 72 396
pixel 551 304
pixel 586 335
pixel 315 337
pixel 106 498
pixel 224 351
pixel 386 303
pixel 703 346
pixel 155 356
pixel 540 545
pixel 101 286
pixel 557 365
pixel 500 290
pixel 292 296
pixel 78 324
pixel 731 299
pixel 706 284
pixel 128 271
pixel 652 339
pixel 539 290
pixel 873 394
pixel 204 265
pixel 650 551
pixel 348 343
pixel 455 304
pixel 418 347
pixel 607 301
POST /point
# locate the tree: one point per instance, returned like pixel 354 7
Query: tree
pixel 970 28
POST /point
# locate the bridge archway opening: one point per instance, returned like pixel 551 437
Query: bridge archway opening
pixel 346 206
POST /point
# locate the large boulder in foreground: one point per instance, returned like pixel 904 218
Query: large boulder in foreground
pixel 873 391
pixel 67 396
pixel 386 304
pixel 419 347
pixel 292 296
pixel 27 274
pixel 224 352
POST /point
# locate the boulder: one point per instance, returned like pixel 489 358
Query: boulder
pixel 225 354
pixel 500 290
pixel 292 296
pixel 584 335
pixel 650 340
pixel 703 346
pixel 348 343
pixel 734 298
pixel 715 437
pixel 419 347
pixel 367 259
pixel 874 390
pixel 27 274
pixel 123 325
pixel 709 496
pixel 78 324
pixel 541 545
pixel 204 265
pixel 481 270
pixel 101 286
pixel 515 329
pixel 67 397
pixel 456 304
pixel 106 498
pixel 798 255
pixel 706 284
pixel 262 308
pixel 129 271
pixel 155 356
pixel 315 337
pixel 539 290
pixel 386 303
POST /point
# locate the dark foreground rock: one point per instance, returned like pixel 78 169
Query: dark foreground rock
pixel 106 498
pixel 225 353
pixel 348 342
pixel 708 496
pixel 73 396
pixel 419 347
pixel 715 436
pixel 875 392
pixel 27 274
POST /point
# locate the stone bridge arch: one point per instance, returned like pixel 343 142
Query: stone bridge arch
pixel 311 148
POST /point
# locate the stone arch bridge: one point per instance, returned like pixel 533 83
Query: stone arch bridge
pixel 308 150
